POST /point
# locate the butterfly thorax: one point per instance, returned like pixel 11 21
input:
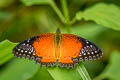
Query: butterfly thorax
pixel 57 43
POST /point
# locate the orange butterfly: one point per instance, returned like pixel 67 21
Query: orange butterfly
pixel 63 49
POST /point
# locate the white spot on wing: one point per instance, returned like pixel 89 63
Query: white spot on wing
pixel 22 51
pixel 84 54
pixel 18 49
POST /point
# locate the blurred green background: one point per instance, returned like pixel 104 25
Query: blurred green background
pixel 95 20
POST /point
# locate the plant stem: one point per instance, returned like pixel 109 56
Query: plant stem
pixel 82 71
pixel 58 12
pixel 66 14
pixel 65 10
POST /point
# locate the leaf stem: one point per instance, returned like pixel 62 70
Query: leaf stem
pixel 58 12
pixel 83 72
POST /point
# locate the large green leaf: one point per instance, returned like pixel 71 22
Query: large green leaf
pixel 112 71
pixel 19 69
pixel 103 14
pixel 6 51
pixel 78 73
pixel 64 74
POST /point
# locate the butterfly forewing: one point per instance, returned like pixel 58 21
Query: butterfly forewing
pixel 89 50
pixel 25 48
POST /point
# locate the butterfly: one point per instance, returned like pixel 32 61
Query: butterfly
pixel 64 50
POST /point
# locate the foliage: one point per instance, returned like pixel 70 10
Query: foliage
pixel 6 48
pixel 95 20
pixel 111 71
pixel 103 14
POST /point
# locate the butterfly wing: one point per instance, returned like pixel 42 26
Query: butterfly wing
pixel 40 48
pixel 89 51
pixel 69 48
pixel 25 48
pixel 74 49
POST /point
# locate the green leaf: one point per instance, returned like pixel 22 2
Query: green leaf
pixel 112 71
pixel 19 69
pixel 78 73
pixel 6 51
pixel 42 74
pixel 64 74
pixel 94 67
pixel 103 14
pixel 83 72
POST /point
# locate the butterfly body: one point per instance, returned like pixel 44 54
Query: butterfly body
pixel 63 49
